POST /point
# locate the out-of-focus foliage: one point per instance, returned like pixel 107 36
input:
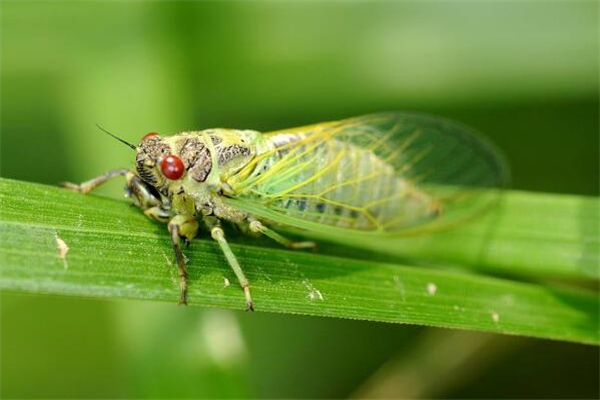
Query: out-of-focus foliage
pixel 524 73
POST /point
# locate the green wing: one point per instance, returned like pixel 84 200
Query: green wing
pixel 388 173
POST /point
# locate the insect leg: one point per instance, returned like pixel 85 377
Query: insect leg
pixel 258 227
pixel 182 226
pixel 157 213
pixel 218 234
pixel 146 198
pixel 90 185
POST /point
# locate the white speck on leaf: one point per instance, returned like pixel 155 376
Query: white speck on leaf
pixel 495 317
pixel 226 282
pixel 313 293
pixel 63 249
pixel 431 289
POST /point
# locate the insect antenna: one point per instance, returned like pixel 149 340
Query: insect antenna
pixel 116 137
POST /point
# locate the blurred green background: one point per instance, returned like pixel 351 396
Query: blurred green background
pixel 524 73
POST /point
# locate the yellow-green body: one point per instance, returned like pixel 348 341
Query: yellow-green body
pixel 329 182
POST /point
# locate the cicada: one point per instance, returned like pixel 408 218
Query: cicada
pixel 380 174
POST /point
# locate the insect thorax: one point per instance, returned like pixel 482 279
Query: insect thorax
pixel 210 158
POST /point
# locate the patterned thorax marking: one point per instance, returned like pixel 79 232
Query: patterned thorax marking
pixel 228 153
pixel 196 157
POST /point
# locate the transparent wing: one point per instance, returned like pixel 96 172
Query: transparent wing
pixel 388 172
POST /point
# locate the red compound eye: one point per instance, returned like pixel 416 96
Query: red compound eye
pixel 149 135
pixel 172 167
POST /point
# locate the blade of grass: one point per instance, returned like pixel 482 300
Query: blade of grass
pixel 115 252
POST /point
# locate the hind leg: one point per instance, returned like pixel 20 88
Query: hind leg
pixel 257 227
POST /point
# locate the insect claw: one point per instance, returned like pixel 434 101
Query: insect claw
pixel 249 302
pixel 183 297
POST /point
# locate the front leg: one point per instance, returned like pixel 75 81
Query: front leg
pixel 90 185
pixel 144 196
pixel 148 200
pixel 182 226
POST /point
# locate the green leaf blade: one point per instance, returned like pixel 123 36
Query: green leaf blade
pixel 115 252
